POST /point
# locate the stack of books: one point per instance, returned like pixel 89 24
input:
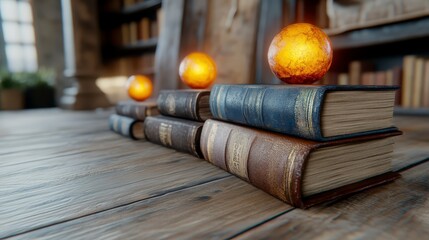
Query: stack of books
pixel 302 144
pixel 129 118
pixel 180 125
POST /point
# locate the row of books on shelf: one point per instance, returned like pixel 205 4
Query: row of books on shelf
pixel 412 78
pixel 133 32
pixel 276 137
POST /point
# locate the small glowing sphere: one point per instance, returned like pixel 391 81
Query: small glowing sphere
pixel 300 54
pixel 197 70
pixel 139 87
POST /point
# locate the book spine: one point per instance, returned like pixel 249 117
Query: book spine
pixel 417 90
pixel 123 126
pixel 407 80
pixel 426 85
pixel 181 104
pixel 132 111
pixel 266 160
pixel 293 111
pixel 179 134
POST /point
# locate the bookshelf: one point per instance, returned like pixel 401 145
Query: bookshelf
pixel 129 27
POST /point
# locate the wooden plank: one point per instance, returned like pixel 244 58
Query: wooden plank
pixel 63 174
pixel 399 210
pixel 388 33
pixel 214 210
pixel 194 28
pixel 270 23
pixel 167 51
pixel 232 46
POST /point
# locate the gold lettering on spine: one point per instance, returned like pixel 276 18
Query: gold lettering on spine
pixel 171 104
pixel 165 133
pixel 304 106
pixel 220 98
pixel 237 154
pixel 290 165
pixel 211 141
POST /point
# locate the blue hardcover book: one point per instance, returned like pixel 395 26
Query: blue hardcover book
pixel 316 112
pixel 126 126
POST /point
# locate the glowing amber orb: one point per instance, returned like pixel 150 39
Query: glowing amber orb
pixel 139 87
pixel 301 53
pixel 197 70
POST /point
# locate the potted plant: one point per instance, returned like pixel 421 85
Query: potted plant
pixel 39 90
pixel 11 94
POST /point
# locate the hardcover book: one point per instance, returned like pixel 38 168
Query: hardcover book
pixel 189 104
pixel 137 110
pixel 315 112
pixel 126 126
pixel 297 171
pixel 180 134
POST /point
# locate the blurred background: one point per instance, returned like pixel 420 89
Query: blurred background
pixel 77 54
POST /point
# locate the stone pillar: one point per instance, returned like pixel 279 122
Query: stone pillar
pixel 82 55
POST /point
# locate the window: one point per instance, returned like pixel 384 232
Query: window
pixel 18 35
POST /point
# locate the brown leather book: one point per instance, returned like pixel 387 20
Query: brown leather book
pixel 297 171
pixel 180 134
pixel 137 110
pixel 189 104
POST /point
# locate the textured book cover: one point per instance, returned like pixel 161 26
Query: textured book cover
pixel 298 110
pixel 137 110
pixel 189 104
pixel 126 126
pixel 278 163
pixel 180 134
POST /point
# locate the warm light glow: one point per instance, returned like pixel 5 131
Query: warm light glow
pixel 139 87
pixel 301 53
pixel 197 70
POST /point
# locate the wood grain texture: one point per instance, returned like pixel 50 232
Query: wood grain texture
pixel 215 210
pixel 167 52
pixel 398 210
pixel 194 27
pixel 270 23
pixel 233 49
pixel 57 166
pixel 65 175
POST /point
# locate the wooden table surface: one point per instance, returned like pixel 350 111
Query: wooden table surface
pixel 64 175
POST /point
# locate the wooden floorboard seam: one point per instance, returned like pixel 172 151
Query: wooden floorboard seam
pixel 289 210
pixel 260 223
pixel 118 206
pixel 413 165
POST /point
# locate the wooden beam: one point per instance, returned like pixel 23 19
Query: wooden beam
pixel 168 49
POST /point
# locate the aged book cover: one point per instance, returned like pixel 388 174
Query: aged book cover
pixel 297 171
pixel 180 134
pixel 189 104
pixel 313 112
pixel 126 126
pixel 137 110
